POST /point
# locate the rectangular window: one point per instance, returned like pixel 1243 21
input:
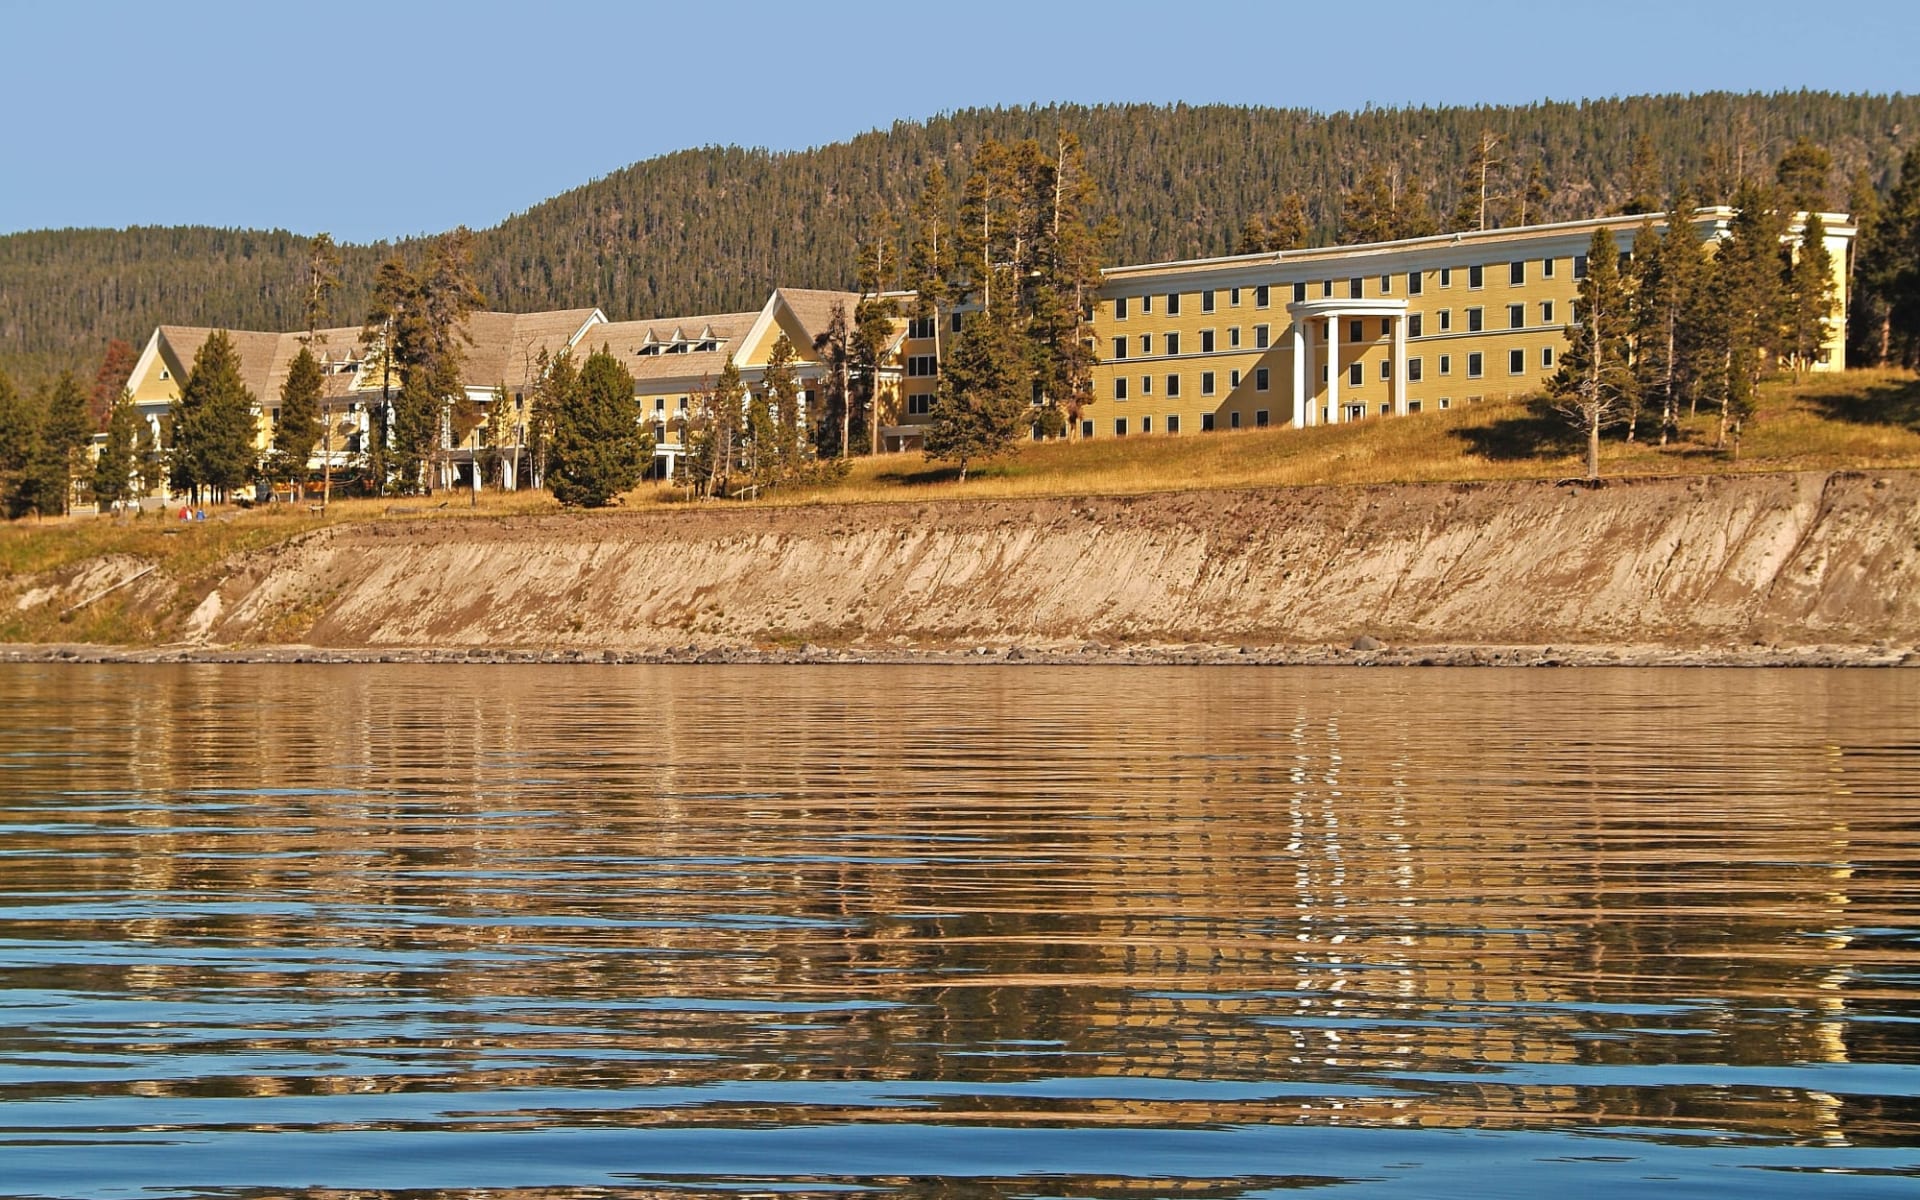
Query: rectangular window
pixel 953 322
pixel 1546 268
pixel 1386 368
pixel 923 365
pixel 1173 386
pixel 1173 422
pixel 1233 337
pixel 1414 279
pixel 1353 289
pixel 1516 362
pixel 1260 334
pixel 1386 327
pixel 1206 422
pixel 1476 320
pixel 1326 288
pixel 1386 285
pixel 1260 379
pixel 920 405
pixel 1261 418
pixel 1413 370
pixel 1233 297
pixel 1546 312
pixel 1119 387
pixel 1476 277
pixel 1146 343
pixel 1119 347
pixel 1299 293
pixel 1146 424
pixel 1119 427
pixel 1206 301
pixel 659 405
pixel 1579 266
pixel 1260 296
pixel 1146 304
pixel 1146 385
pixel 1516 273
pixel 1233 379
pixel 1086 429
pixel 1173 343
pixel 1546 358
pixel 1120 308
pixel 1516 316
pixel 1206 341
pixel 1173 304
pixel 1413 324
pixel 1445 403
pixel 1354 332
pixel 1446 319
pixel 1446 276
pixel 1446 364
pixel 1476 365
pixel 1413 406
pixel 920 328
pixel 1355 374
pixel 1206 383
pixel 1233 419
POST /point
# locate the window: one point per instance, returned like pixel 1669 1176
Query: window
pixel 1414 280
pixel 1146 304
pixel 1476 320
pixel 1386 327
pixel 1173 304
pixel 163 373
pixel 1413 324
pixel 1353 289
pixel 922 365
pixel 660 404
pixel 1516 362
pixel 1233 337
pixel 920 327
pixel 1146 343
pixel 1206 422
pixel 1146 385
pixel 920 404
pixel 1446 276
pixel 1260 334
pixel 1233 379
pixel 1546 268
pixel 1386 285
pixel 1476 365
pixel 1206 341
pixel 1354 332
pixel 1119 347
pixel 1355 374
pixel 1206 383
pixel 1233 297
pixel 1261 419
pixel 1413 406
pixel 1386 368
pixel 1446 319
pixel 1299 293
pixel 1579 266
pixel 1326 288
pixel 1119 427
pixel 1260 296
pixel 682 405
pixel 1173 343
pixel 1120 308
pixel 1446 366
pixel 1413 370
pixel 1233 420
pixel 1119 387
pixel 1476 277
pixel 1546 358
pixel 953 322
pixel 1445 403
pixel 1206 301
pixel 1516 273
pixel 1546 312
pixel 1146 424
pixel 1260 379
pixel 1086 429
pixel 1173 386
pixel 1173 422
pixel 1516 316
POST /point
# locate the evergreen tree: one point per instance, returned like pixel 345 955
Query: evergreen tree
pixel 298 425
pixel 873 328
pixel 832 412
pixel 66 429
pixel 419 319
pixel 1367 214
pixel 1595 382
pixel 1288 229
pixel 1803 173
pixel 1749 304
pixel 931 263
pixel 500 443
pixel 1668 274
pixel 1476 184
pixel 19 431
pixel 600 447
pixel 1890 269
pixel 1643 178
pixel 713 434
pixel 985 393
pixel 781 388
pixel 213 423
pixel 114 470
pixel 1866 309
pixel 1530 201
pixel 555 380
pixel 1065 277
pixel 116 368
pixel 1809 300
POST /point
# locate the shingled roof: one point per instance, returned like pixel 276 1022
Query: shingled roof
pixel 265 358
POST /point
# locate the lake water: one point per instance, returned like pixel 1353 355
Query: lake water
pixel 964 931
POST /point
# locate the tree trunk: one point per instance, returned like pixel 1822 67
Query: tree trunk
pixel 1593 445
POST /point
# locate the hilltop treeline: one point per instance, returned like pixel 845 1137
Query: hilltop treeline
pixel 710 229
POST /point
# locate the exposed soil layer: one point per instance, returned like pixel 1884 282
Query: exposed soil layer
pixel 1765 568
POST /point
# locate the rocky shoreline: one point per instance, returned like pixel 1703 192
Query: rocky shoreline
pixel 1361 654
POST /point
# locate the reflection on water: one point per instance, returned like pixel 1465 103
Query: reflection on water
pixel 550 931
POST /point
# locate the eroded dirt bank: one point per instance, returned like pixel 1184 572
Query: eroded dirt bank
pixel 1735 566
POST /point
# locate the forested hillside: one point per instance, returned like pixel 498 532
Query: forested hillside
pixel 710 229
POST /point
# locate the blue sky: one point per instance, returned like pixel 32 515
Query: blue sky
pixel 298 116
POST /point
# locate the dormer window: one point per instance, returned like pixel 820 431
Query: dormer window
pixel 709 344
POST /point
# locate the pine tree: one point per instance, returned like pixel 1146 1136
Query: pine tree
pixel 1803 173
pixel 19 431
pixel 1595 382
pixel 600 447
pixel 985 393
pixel 500 440
pixel 1066 276
pixel 1890 269
pixel 1367 215
pixel 114 470
pixel 1668 274
pixel 1866 310
pixel 1750 305
pixel 1809 301
pixel 213 423
pixel 298 425
pixel 66 429
pixel 1476 183
pixel 713 433
pixel 873 328
pixel 419 319
pixel 555 382
pixel 1288 229
pixel 1643 179
pixel 781 388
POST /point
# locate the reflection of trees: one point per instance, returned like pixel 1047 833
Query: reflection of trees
pixel 588 877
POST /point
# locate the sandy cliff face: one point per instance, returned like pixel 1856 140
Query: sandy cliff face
pixel 1790 559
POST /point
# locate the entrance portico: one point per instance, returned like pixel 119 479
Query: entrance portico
pixel 1329 313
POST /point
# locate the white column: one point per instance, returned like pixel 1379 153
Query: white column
pixel 1298 342
pixel 1400 365
pixel 1333 368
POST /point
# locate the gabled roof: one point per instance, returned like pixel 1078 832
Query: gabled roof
pixel 265 358
pixel 506 345
pixel 625 338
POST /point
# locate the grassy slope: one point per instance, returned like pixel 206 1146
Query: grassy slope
pixel 1859 421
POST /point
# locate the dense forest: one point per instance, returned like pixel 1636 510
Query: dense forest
pixel 711 229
